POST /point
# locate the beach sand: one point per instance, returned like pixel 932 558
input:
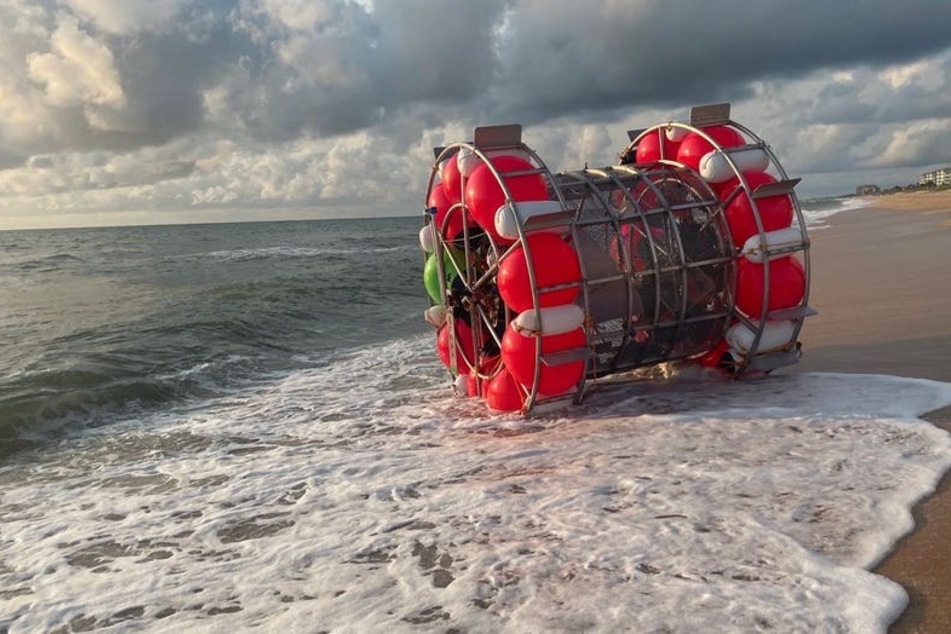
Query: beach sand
pixel 880 281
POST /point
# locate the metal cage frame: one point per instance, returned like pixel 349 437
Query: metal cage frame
pixel 606 200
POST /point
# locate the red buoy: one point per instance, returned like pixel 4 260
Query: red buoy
pixel 484 194
pixel 714 358
pixel 451 178
pixel 503 393
pixel 518 354
pixel 694 146
pixel 464 348
pixel 649 147
pixel 439 199
pixel 775 212
pixel 472 385
pixel 555 262
pixel 787 285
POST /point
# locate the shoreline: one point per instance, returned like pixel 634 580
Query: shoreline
pixel 878 273
pixel 924 202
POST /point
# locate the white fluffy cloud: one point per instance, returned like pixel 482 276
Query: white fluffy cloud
pixel 123 17
pixel 78 71
pixel 184 108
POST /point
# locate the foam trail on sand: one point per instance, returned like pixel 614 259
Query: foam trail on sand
pixel 818 210
pixel 359 496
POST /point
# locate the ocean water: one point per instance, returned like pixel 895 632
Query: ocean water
pixel 100 323
pixel 246 427
pixel 817 210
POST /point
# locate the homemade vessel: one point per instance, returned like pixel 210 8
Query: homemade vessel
pixel 692 248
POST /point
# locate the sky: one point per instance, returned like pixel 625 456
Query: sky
pixel 166 111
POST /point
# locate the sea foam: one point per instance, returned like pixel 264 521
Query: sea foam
pixel 362 496
pixel 818 210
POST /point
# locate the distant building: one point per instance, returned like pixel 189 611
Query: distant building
pixel 867 190
pixel 938 178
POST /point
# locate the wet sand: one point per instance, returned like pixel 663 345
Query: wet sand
pixel 881 281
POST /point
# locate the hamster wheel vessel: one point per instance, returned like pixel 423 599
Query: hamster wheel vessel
pixel 693 248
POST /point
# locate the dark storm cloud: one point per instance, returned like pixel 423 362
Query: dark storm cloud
pixel 439 51
pixel 844 102
pixel 668 51
pixel 346 72
pixel 166 72
pixel 356 69
pixel 242 68
pixel 9 159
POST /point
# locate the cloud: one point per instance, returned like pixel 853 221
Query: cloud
pixel 78 71
pixel 334 104
pixel 123 17
pixel 923 141
pixel 562 57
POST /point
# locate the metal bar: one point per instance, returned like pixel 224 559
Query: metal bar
pixel 497 135
pixel 737 149
pixel 633 134
pixel 776 189
pixel 608 334
pixel 549 221
pixel 793 248
pixel 770 361
pixel 796 312
pixel 565 356
pixel 710 115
